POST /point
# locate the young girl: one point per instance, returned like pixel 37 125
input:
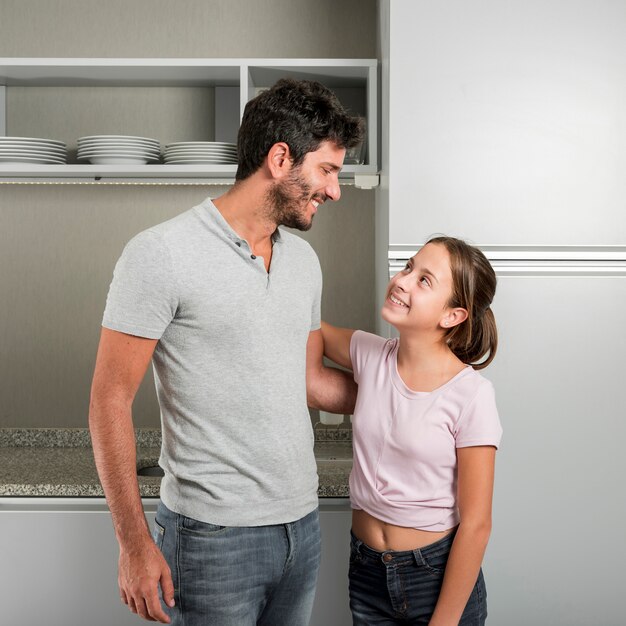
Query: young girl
pixel 425 433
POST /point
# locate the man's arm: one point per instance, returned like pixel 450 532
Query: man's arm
pixel 327 388
pixel 120 367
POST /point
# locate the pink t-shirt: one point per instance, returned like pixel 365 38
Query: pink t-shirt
pixel 404 441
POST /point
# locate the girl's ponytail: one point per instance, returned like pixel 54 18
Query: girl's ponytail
pixel 474 286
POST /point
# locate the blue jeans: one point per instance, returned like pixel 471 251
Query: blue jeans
pixel 240 576
pixel 402 587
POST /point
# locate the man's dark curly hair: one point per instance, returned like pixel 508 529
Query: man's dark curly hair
pixel 300 113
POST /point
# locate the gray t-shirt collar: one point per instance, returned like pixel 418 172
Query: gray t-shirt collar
pixel 219 224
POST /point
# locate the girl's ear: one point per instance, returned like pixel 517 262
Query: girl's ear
pixel 279 160
pixel 453 317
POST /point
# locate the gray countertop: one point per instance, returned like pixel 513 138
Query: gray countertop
pixel 59 462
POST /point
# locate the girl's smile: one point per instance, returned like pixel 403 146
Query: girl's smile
pixel 420 293
pixel 395 300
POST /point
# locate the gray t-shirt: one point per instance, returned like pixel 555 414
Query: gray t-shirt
pixel 229 365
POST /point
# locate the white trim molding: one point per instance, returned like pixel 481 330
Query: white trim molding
pixel 532 260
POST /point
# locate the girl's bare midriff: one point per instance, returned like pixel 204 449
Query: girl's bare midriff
pixel 382 536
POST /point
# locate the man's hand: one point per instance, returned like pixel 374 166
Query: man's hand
pixel 141 570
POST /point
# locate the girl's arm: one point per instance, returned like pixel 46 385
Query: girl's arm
pixel 337 344
pixel 474 495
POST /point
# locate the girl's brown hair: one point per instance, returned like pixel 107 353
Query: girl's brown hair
pixel 473 288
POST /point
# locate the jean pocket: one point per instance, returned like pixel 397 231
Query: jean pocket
pixel 196 527
pixel 158 534
pixel 435 565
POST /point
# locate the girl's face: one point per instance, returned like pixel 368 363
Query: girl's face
pixel 418 296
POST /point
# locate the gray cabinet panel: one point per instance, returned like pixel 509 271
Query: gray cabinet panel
pixel 332 605
pixel 58 564
pixel 556 552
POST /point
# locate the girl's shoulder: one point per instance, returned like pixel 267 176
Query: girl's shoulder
pixel 369 350
pixel 370 343
pixel 470 383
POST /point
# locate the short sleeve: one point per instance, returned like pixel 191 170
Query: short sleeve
pixel 479 424
pixel 365 347
pixel 143 295
pixel 316 308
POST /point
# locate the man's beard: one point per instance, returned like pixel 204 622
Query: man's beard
pixel 287 201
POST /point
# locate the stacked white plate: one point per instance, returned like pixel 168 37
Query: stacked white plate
pixel 32 150
pixel 118 149
pixel 197 152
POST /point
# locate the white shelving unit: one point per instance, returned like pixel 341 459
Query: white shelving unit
pixel 352 79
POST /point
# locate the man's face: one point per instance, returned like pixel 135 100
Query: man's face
pixel 295 200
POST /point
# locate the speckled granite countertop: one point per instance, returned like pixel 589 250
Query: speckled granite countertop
pixel 46 462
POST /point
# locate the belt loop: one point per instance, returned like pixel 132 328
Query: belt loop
pixel 419 559
pixel 359 543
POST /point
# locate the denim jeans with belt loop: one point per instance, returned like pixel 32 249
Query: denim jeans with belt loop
pixel 402 587
pixel 240 576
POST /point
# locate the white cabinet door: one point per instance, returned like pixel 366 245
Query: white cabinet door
pixel 557 551
pixel 507 121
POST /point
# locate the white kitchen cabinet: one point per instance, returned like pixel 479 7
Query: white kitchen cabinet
pixel 235 81
pixel 505 121
pixel 58 563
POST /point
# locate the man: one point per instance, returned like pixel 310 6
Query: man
pixel 227 307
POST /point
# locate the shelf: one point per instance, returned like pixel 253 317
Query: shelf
pixel 235 81
pixel 173 72
pixel 77 74
pixel 155 172
pixel 362 176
